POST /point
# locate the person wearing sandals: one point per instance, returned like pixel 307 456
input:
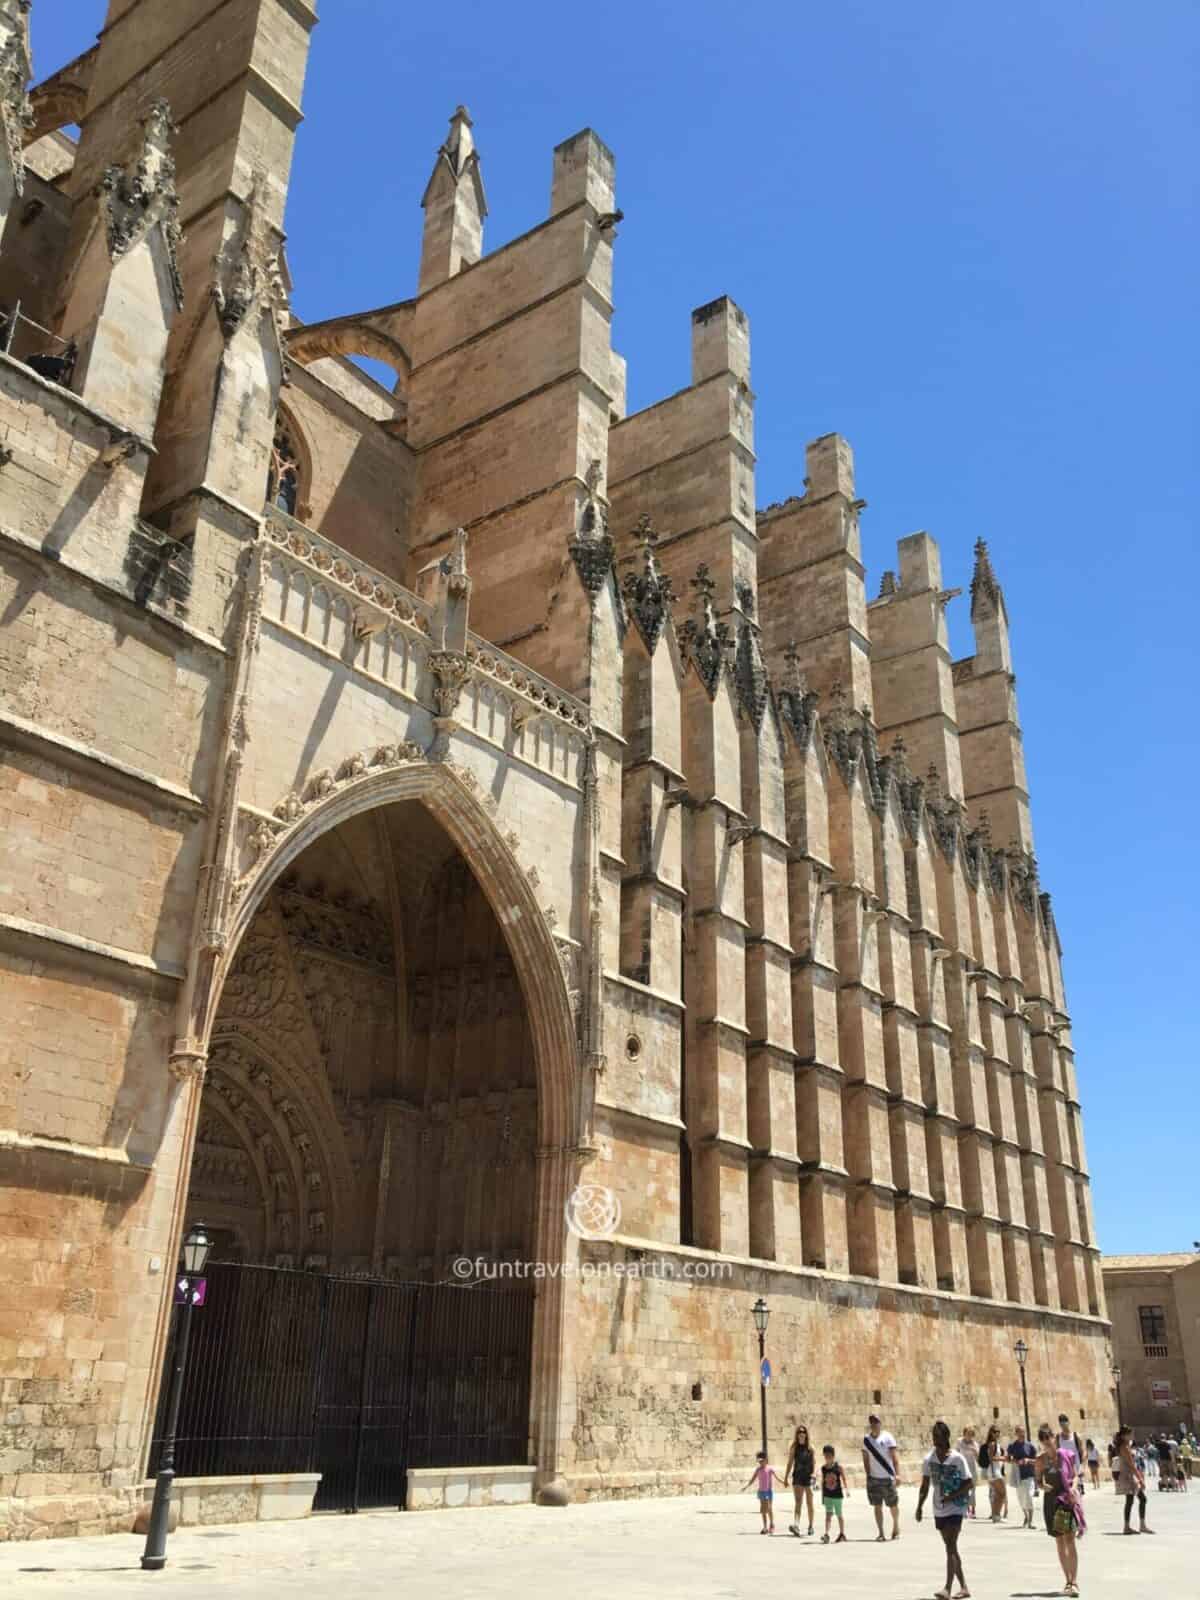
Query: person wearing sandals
pixel 947 1472
pixel 1047 1457
pixel 1128 1480
pixel 991 1460
pixel 882 1467
pixel 764 1477
pixel 799 1472
pixel 1068 1524
pixel 833 1493
pixel 968 1449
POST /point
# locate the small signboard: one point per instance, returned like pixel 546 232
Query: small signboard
pixel 187 1288
pixel 1160 1391
pixel 766 1372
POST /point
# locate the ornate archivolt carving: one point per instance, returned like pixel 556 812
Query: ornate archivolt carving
pixel 258 984
pixel 337 925
pixel 284 1128
pixel 138 200
pixel 266 832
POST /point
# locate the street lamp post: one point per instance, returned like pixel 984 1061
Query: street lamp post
pixel 760 1313
pixel 196 1246
pixel 1021 1351
pixel 1116 1372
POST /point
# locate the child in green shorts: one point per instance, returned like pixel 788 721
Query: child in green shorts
pixel 833 1493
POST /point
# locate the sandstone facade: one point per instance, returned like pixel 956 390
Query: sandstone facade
pixel 505 803
pixel 1154 1304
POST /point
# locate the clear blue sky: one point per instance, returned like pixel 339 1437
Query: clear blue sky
pixel 965 237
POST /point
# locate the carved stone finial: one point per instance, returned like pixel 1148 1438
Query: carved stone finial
pixel 705 586
pixel 592 547
pixel 145 197
pixel 847 732
pixel 249 273
pixel 888 585
pixel 649 594
pixel 458 580
pixel 987 597
pixel 458 154
pixel 450 669
pixel 797 702
pixel 706 641
pixel 16 69
pixel 745 596
pixel 749 668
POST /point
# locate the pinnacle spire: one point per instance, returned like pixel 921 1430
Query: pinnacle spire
pixel 454 204
pixel 987 597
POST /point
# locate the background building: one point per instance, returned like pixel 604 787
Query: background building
pixel 1154 1303
pixel 420 799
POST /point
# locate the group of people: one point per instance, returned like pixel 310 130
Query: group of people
pixel 1169 1460
pixel 1055 1467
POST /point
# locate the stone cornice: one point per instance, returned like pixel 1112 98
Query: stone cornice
pixel 20 734
pixel 22 932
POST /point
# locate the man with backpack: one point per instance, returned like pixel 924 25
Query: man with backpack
pixel 1069 1440
pixel 882 1467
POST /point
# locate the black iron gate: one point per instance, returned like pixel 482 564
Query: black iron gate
pixel 357 1379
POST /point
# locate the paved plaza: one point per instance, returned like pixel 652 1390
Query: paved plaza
pixel 698 1548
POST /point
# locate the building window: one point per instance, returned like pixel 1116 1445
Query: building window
pixel 1153 1322
pixel 283 479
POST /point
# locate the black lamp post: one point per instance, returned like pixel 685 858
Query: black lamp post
pixel 196 1246
pixel 1116 1372
pixel 1021 1351
pixel 760 1313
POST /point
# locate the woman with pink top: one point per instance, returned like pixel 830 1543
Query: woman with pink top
pixel 765 1476
pixel 1067 1521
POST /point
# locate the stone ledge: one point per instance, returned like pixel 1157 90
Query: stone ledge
pixel 29 736
pixel 1004 1310
pixel 256 1497
pixel 36 932
pixel 648 1485
pixel 443 1488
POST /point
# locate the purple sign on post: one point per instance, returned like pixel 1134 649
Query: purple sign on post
pixel 198 1290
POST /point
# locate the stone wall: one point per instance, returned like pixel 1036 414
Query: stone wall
pixel 839 1347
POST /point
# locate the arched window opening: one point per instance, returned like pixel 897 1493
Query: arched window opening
pixel 283 478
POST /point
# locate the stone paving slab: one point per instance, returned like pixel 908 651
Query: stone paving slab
pixel 699 1548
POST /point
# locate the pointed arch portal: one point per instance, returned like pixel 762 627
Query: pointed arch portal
pixel 391 1091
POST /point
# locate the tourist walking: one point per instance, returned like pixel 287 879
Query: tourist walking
pixel 834 1493
pixel 799 1473
pixel 1067 1523
pixel 1093 1462
pixel 1022 1453
pixel 946 1470
pixel 1047 1458
pixel 1152 1459
pixel 968 1448
pixel 1128 1480
pixel 765 1477
pixel 881 1463
pixel 991 1462
pixel 1068 1439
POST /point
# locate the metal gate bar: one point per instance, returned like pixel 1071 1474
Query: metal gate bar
pixel 357 1379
